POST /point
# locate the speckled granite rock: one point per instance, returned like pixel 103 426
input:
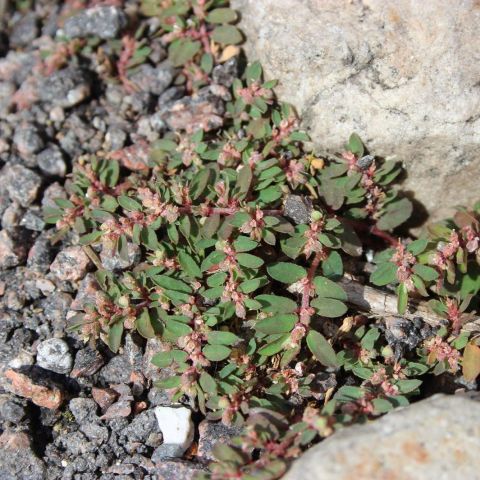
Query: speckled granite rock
pixel 404 75
pixel 435 438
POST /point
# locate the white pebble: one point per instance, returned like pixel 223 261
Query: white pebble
pixel 176 426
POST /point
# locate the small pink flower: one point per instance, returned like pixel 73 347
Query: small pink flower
pixel 472 238
pixel 229 155
pixel 254 226
pixel 441 351
pixel 250 93
pixel 294 172
pixel 404 261
pixel 447 252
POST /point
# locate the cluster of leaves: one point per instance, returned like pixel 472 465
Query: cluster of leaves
pixel 243 234
pixel 445 261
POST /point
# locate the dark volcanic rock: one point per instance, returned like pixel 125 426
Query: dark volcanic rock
pixel 177 469
pixel 225 73
pixel 212 433
pixel 87 362
pixel 13 249
pixel 27 140
pixel 298 208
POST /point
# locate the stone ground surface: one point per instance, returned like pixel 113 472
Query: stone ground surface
pixel 402 74
pixel 437 438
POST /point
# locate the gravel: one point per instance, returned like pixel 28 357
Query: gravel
pixel 66 88
pixel 54 354
pixel 23 184
pixel 52 161
pixel 103 22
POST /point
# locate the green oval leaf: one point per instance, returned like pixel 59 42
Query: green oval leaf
pixel 249 261
pixel 329 307
pixel 327 289
pixel 129 203
pixel 189 265
pixel 222 338
pixel 207 383
pixel 222 15
pixel 384 274
pixel 144 325
pixel 427 273
pixel 286 272
pixel 402 300
pixel 274 347
pixel 216 353
pixel 276 304
pixel 115 333
pixel 322 350
pixel 283 323
pixel 227 35
pixel 332 267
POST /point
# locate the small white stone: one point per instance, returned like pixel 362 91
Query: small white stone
pixel 53 354
pixel 57 114
pixel 176 426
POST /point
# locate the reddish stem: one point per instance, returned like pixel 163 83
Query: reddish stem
pixel 305 314
pixel 371 229
pixel 374 230
pixel 228 211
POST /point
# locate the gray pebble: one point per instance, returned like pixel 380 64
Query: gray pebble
pixel 84 410
pixel 65 88
pixel 23 184
pixel 298 209
pixel 24 31
pixel 33 220
pixel 153 79
pixel 52 162
pixel 27 140
pixel 115 262
pixel 102 22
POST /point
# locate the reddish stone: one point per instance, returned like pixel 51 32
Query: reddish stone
pixel 139 407
pixel 121 409
pixel 104 397
pixel 136 157
pixel 42 395
pixel 70 264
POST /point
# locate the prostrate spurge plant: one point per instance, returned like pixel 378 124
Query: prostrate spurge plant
pixel 244 233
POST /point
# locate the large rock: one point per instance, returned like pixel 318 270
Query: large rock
pixel 402 74
pixel 436 438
